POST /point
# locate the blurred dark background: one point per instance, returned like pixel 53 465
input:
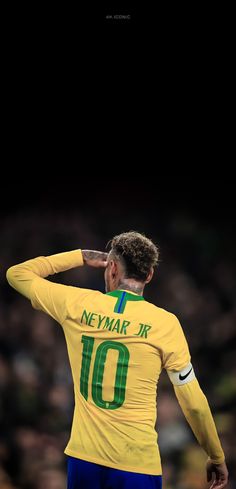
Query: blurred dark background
pixel 192 219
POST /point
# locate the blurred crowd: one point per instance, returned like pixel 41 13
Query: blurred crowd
pixel 195 280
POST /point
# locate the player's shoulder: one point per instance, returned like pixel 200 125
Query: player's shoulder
pixel 75 293
pixel 161 313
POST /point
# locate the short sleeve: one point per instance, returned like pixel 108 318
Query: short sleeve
pixel 175 352
pixel 49 297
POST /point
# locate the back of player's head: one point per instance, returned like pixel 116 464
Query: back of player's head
pixel 137 253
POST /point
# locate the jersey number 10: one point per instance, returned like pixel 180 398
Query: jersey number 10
pixel 98 372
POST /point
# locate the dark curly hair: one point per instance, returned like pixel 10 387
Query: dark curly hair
pixel 138 253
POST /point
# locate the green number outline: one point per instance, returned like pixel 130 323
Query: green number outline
pixel 98 372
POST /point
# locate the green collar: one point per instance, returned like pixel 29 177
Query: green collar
pixel 122 297
pixel 131 295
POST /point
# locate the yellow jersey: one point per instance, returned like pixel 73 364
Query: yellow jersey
pixel 117 343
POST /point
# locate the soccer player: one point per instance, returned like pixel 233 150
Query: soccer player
pixel 118 343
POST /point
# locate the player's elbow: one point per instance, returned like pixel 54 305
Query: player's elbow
pixel 197 408
pixel 196 411
pixel 192 399
pixel 11 275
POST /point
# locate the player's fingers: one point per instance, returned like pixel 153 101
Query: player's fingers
pixel 104 256
pixel 218 484
pixel 100 263
pixel 214 485
pixel 222 482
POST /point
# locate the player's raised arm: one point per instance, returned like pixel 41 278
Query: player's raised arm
pixel 21 276
pixel 28 278
pixel 198 414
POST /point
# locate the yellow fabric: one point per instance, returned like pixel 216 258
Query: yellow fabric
pixel 122 437
pixel 197 412
pixel 21 276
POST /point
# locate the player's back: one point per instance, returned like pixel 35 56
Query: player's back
pixel 117 344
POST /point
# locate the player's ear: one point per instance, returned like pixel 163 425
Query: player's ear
pixel 150 275
pixel 113 268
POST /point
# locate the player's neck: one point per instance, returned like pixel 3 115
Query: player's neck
pixel 132 285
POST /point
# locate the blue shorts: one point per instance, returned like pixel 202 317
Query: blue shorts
pixel 87 475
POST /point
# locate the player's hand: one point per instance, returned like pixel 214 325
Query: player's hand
pixel 95 258
pixel 220 472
